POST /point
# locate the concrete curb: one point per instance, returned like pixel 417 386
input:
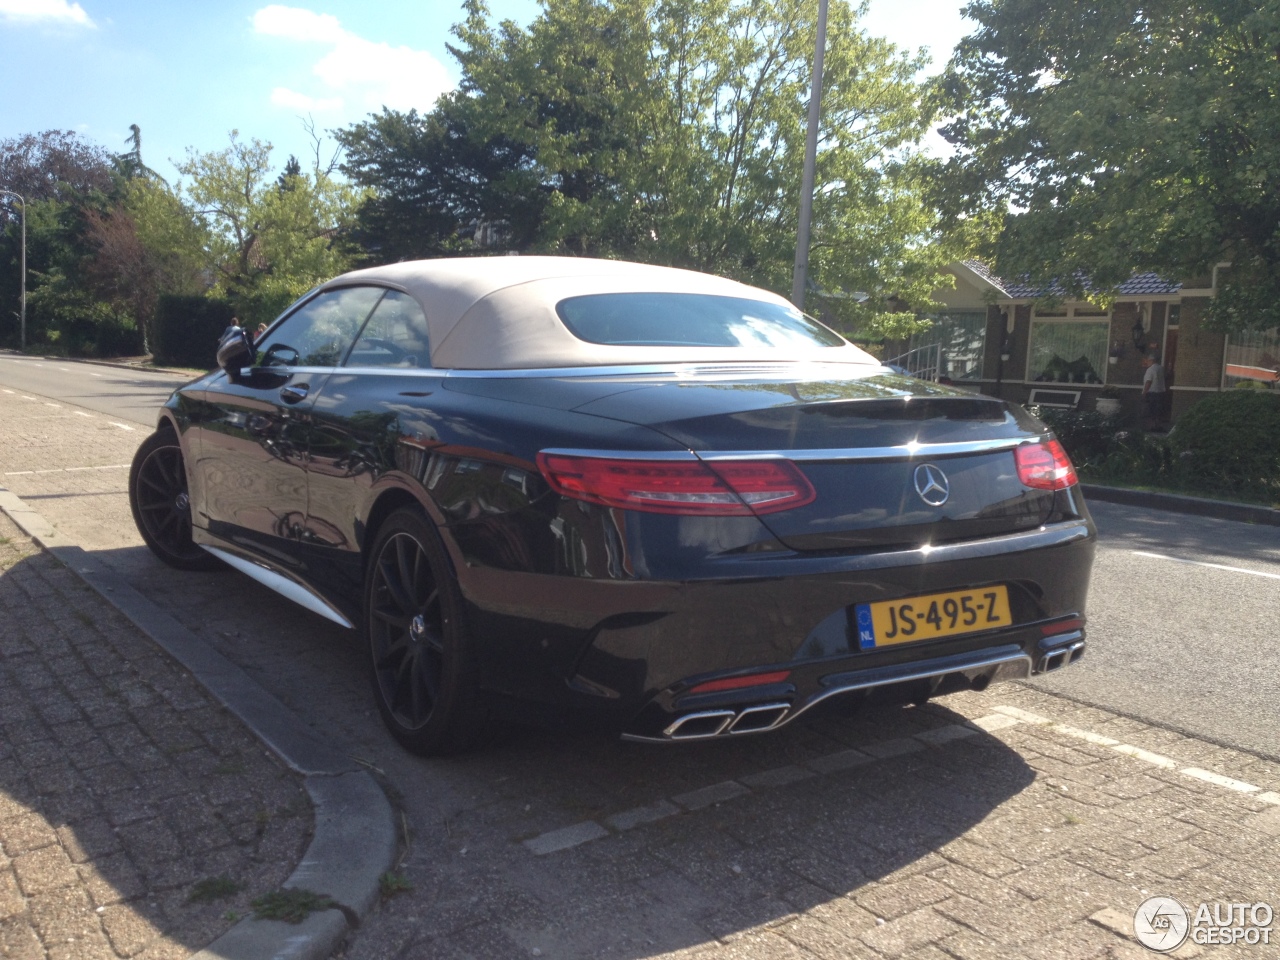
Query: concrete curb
pixel 1198 506
pixel 354 841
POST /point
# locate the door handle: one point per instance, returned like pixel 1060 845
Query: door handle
pixel 294 392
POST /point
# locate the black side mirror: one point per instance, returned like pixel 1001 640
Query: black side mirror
pixel 235 351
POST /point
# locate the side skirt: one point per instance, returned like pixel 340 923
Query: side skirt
pixel 289 589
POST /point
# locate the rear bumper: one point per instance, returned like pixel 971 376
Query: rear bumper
pixel 625 656
pixel 674 717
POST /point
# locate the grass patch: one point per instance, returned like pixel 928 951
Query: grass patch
pixel 291 906
pixel 213 888
pixel 393 883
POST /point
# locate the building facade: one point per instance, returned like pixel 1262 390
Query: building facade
pixel 1003 339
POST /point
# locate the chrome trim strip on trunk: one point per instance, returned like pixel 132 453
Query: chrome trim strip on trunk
pixel 906 451
pixel 289 589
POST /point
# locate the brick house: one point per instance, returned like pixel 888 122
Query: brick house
pixel 994 337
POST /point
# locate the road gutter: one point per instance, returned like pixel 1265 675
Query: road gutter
pixel 354 840
pixel 1197 506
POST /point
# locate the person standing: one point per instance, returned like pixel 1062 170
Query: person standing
pixel 1153 392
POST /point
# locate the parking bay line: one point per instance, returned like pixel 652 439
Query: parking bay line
pixel 31 473
pixel 715 794
pixel 1146 756
pixel 1205 563
pixel 563 838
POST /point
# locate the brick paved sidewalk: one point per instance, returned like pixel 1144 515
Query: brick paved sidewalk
pixel 137 818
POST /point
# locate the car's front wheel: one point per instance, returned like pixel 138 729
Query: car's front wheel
pixel 161 503
pixel 423 669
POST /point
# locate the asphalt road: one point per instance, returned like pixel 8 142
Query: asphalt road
pixel 132 395
pixel 1183 610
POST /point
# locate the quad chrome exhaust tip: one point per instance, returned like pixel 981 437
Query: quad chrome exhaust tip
pixel 1060 657
pixel 968 671
pixel 712 723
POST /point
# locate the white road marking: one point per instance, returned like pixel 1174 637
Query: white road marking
pixel 1204 563
pixel 1146 756
pixel 1004 717
pixel 81 413
pixel 25 397
pixel 29 473
pixel 1218 780
pixel 120 425
pixel 98 375
pixel 6 391
pixel 48 404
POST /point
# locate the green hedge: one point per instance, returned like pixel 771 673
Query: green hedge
pixel 187 330
pixel 1230 442
pixel 1227 445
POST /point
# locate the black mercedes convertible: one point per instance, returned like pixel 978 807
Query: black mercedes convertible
pixel 644 499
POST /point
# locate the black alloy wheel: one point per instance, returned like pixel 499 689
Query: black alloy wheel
pixel 161 503
pixel 422 673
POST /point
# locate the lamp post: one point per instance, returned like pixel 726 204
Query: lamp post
pixel 810 162
pixel 22 300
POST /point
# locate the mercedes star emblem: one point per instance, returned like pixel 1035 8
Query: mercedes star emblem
pixel 932 485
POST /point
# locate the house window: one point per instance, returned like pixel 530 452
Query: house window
pixel 960 336
pixel 1252 355
pixel 1068 345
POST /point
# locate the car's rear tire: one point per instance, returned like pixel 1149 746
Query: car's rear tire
pixel 161 504
pixel 421 660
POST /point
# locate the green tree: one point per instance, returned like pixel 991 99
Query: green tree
pixel 670 132
pixel 266 240
pixel 66 181
pixel 1124 136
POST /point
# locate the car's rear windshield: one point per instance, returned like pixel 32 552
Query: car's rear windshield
pixel 690 320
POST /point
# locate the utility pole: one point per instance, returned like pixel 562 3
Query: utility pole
pixel 810 162
pixel 22 309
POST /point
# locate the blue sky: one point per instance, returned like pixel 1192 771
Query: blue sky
pixel 189 72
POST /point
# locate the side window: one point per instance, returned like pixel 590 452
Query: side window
pixel 395 336
pixel 319 333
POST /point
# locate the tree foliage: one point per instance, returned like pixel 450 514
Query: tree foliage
pixel 669 132
pixel 1124 136
pixel 265 240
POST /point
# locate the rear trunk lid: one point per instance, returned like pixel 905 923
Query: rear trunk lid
pixel 895 462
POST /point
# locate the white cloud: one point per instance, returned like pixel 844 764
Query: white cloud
pixel 363 74
pixel 57 11
pixel 294 23
pixel 293 100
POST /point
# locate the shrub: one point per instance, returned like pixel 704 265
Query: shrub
pixel 1087 435
pixel 1230 443
pixel 187 329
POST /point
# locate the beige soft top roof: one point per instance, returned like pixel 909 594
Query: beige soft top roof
pixel 487 313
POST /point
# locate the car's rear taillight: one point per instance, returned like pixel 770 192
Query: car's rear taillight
pixel 726 488
pixel 1045 466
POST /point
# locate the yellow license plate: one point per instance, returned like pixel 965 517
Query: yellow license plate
pixel 931 616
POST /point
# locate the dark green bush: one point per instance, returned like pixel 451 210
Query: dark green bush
pixel 187 330
pixel 1230 443
pixel 1087 436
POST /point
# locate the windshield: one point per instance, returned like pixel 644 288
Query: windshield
pixel 690 320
